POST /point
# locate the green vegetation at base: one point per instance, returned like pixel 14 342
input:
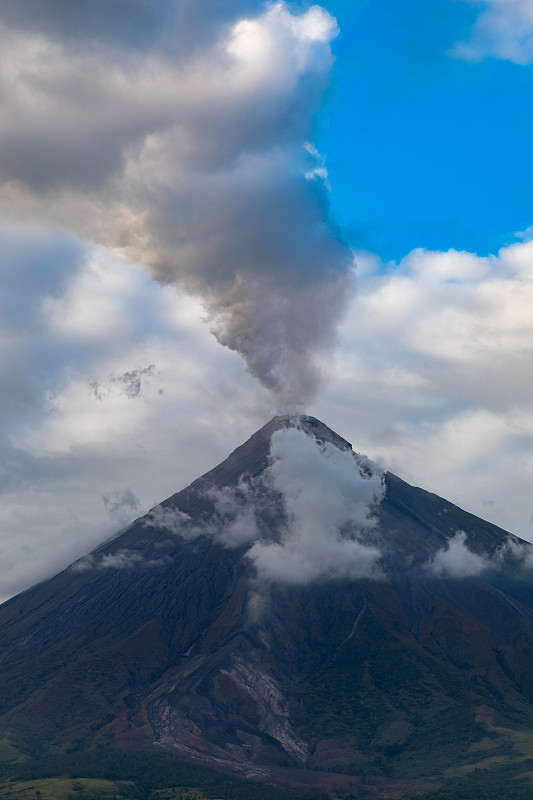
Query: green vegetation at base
pixel 108 774
pixel 480 790
pixel 139 776
pixel 405 713
pixel 503 782
pixel 61 788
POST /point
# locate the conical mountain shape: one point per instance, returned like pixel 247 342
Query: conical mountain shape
pixel 293 612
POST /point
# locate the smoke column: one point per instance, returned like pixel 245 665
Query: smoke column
pixel 178 136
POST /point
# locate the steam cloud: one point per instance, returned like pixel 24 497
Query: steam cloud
pixel 457 560
pixel 517 552
pixel 122 559
pixel 307 517
pixel 178 137
pixel 232 521
pixel 121 504
pixel 329 496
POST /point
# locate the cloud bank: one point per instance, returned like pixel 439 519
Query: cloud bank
pixel 434 376
pixel 194 163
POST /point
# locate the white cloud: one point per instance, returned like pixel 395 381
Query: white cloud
pixel 434 377
pixel 503 29
pixel 516 552
pixel 122 559
pixel 121 504
pixel 232 519
pixel 456 560
pixel 329 497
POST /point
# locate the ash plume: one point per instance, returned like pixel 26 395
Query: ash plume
pixel 180 138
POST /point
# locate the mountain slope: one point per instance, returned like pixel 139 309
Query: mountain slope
pixel 411 660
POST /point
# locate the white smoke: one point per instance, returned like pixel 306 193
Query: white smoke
pixel 232 519
pixel 122 559
pixel 456 560
pixel 329 497
pixel 174 521
pixel 193 161
pixel 516 552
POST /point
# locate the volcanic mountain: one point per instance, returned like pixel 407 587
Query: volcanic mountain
pixel 295 610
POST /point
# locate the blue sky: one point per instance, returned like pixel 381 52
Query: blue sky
pixel 425 149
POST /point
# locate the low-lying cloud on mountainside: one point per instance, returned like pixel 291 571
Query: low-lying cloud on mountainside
pixel 310 516
pixel 302 517
pixel 517 553
pixel 122 559
pixel 456 560
pixel 329 496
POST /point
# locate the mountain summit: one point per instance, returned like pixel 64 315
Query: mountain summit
pixel 294 611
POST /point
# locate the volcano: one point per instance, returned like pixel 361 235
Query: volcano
pixel 293 612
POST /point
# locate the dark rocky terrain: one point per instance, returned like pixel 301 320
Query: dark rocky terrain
pixel 156 640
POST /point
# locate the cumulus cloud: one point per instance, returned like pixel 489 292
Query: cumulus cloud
pixel 197 167
pixel 456 560
pixel 503 29
pixel 434 376
pixel 104 131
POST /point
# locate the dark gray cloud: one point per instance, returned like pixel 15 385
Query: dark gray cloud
pixel 134 22
pixel 193 163
pixel 179 26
